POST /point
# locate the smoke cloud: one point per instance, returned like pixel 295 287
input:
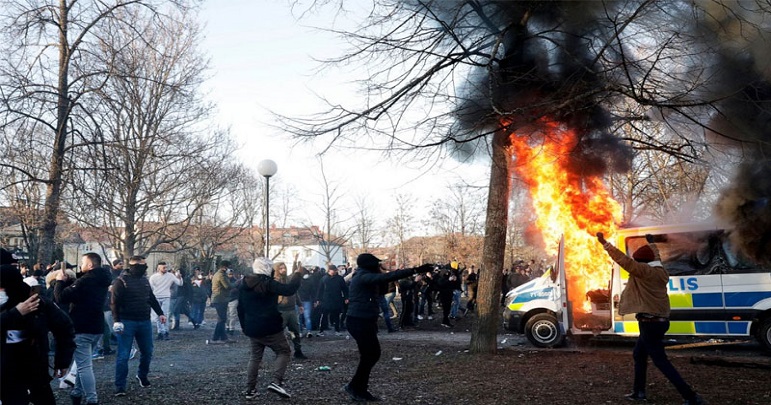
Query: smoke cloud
pixel 707 63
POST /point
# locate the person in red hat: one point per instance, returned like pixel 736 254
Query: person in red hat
pixel 645 295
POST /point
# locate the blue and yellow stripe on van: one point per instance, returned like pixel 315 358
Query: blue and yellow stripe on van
pixel 743 299
pixel 690 327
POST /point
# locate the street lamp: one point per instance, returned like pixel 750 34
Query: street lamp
pixel 267 168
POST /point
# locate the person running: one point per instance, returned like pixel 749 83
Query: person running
pixel 368 283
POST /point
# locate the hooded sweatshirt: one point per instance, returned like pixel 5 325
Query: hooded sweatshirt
pixel 258 303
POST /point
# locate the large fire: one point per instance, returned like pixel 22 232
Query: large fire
pixel 567 204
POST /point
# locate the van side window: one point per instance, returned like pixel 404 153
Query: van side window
pixel 687 253
pixel 738 262
pixel 698 253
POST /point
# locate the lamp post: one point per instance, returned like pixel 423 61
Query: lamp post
pixel 267 168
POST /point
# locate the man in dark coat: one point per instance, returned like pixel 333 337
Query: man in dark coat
pixel 332 297
pixel 24 326
pixel 84 298
pixel 368 284
pixel 262 322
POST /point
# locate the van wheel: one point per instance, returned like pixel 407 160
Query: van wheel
pixel 764 334
pixel 543 330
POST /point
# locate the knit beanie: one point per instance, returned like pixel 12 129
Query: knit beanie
pixel 263 266
pixel 643 254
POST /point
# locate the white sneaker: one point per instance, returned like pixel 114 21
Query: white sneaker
pixel 430 317
pixel 133 353
pixel 279 390
pixel 420 317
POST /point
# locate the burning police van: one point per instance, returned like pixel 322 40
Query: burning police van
pixel 713 291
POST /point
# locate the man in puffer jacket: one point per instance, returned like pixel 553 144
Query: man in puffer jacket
pixel 262 322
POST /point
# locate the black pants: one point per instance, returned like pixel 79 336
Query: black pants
pixel 650 344
pixel 408 309
pixel 330 316
pixel 364 331
pixel 222 317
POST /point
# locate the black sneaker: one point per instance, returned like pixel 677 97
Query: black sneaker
pixel 120 393
pixel 636 396
pixel 370 398
pixel 159 337
pixel 300 356
pixel 143 382
pixel 279 390
pixel 251 394
pixel 356 397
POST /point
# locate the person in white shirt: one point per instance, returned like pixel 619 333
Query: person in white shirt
pixel 161 282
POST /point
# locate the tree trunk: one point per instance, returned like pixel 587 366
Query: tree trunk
pixel 56 168
pixel 485 329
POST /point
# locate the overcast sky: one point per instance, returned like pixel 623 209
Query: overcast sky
pixel 263 58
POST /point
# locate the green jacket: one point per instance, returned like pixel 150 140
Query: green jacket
pixel 220 287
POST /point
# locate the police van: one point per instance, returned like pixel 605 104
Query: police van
pixel 713 291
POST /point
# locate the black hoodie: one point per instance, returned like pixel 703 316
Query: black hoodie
pixel 258 303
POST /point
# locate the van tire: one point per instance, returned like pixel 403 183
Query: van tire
pixel 764 334
pixel 543 330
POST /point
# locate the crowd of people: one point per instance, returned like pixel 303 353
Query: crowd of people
pixel 101 309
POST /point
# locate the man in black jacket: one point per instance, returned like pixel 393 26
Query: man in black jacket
pixel 367 285
pixel 262 322
pixel 132 299
pixel 84 298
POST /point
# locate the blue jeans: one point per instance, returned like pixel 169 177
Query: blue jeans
pixel 455 303
pixel 386 312
pixel 308 315
pixel 650 344
pixel 142 331
pixel 197 309
pixel 85 383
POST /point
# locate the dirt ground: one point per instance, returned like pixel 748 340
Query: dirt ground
pixel 431 365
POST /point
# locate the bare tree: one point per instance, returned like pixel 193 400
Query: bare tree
pixel 458 215
pixel 45 72
pixel 156 167
pixel 400 225
pixel 336 229
pixel 365 232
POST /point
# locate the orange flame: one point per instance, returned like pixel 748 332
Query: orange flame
pixel 570 204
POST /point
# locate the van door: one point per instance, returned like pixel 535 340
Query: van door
pixel 746 289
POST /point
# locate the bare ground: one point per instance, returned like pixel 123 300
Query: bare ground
pixel 431 365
